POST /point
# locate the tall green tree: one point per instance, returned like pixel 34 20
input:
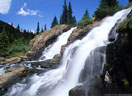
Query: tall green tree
pixel 18 27
pixel 45 27
pixel 38 29
pixel 106 8
pixel 70 14
pixel 54 22
pixel 4 43
pixel 63 19
pixel 42 30
pixel 74 21
pixel 85 20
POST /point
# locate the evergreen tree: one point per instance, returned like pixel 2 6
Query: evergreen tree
pixel 42 30
pixel 70 14
pixel 54 22
pixel 130 1
pixel 74 21
pixel 85 20
pixel 106 8
pixel 18 27
pixel 11 24
pixel 45 28
pixel 86 15
pixel 63 19
pixel 38 29
pixel 4 43
pixel 109 3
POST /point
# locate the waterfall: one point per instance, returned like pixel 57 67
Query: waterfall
pixel 55 48
pixel 58 82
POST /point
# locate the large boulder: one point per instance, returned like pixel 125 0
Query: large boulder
pixel 11 76
pixel 13 60
pixel 2 60
pixel 77 91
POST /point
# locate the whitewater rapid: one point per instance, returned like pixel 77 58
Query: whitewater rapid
pixel 58 82
pixel 55 48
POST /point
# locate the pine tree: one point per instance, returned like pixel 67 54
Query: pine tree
pixel 11 24
pixel 74 21
pixel 86 15
pixel 63 19
pixel 42 30
pixel 106 8
pixel 45 28
pixel 109 3
pixel 4 43
pixel 69 14
pixel 38 29
pixel 54 22
pixel 130 1
pixel 18 27
pixel 85 20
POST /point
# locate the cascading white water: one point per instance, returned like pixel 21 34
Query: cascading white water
pixel 59 81
pixel 55 48
pixel 4 67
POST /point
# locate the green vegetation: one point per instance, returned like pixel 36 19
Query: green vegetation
pixel 85 20
pixel 66 17
pixel 45 28
pixel 4 42
pixel 126 25
pixel 129 5
pixel 18 48
pixel 106 8
pixel 13 42
pixel 54 22
pixel 38 29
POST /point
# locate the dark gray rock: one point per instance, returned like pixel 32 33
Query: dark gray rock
pixel 77 91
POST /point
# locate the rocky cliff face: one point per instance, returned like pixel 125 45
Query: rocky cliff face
pixel 119 59
pixel 43 40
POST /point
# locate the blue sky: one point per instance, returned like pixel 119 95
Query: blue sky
pixel 27 13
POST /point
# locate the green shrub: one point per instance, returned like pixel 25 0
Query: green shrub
pixel 129 5
pixel 100 13
pixel 126 25
pixel 85 20
pixel 107 8
pixel 18 47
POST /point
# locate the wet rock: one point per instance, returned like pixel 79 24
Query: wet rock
pixel 10 75
pixel 13 60
pixel 77 91
pixel 80 33
pixel 93 86
pixel 43 40
pixel 2 60
pixel 23 58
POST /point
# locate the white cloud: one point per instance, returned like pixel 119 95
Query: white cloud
pixel 5 6
pixel 40 15
pixel 25 12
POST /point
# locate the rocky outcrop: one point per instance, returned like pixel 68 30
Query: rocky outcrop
pixel 13 60
pixel 80 33
pixel 91 87
pixel 11 76
pixel 77 91
pixel 2 60
pixel 48 64
pixel 119 59
pixel 14 74
pixel 43 40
